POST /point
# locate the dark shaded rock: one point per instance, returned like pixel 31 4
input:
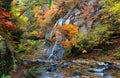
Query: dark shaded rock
pixel 109 63
pixel 51 69
pixel 110 67
pixel 38 62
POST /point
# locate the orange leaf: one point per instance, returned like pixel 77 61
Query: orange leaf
pixel 4 13
pixel 86 12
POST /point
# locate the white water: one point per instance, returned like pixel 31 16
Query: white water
pixel 56 51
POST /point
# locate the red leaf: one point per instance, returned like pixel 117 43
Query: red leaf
pixel 4 14
pixel 8 25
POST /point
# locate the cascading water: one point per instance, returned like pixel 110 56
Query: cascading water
pixel 56 51
pixel 76 17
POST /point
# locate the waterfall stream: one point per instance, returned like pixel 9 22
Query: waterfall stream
pixel 56 51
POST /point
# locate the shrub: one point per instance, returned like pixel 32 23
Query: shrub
pixel 88 41
pixel 110 12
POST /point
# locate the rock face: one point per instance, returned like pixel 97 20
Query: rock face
pixel 84 15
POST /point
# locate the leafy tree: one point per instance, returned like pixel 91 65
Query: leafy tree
pixel 99 35
pixel 110 12
pixel 69 31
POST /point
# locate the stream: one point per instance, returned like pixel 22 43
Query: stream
pixel 79 68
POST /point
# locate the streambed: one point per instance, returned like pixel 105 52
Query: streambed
pixel 80 68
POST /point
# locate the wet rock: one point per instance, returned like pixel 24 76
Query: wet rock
pixel 38 62
pixel 35 61
pixel 118 66
pixel 93 65
pixel 77 61
pixel 79 64
pixel 110 67
pixel 108 76
pixel 109 63
pixel 98 70
pixel 51 69
pixel 25 62
pixel 91 70
pixel 56 65
pixel 65 65
pixel 101 64
pixel 45 61
pixel 76 73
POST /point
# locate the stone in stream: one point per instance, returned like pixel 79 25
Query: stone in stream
pixel 51 69
pixel 76 73
pixel 97 70
pixel 101 64
pixel 109 62
pixel 118 66
pixel 26 62
pixel 65 65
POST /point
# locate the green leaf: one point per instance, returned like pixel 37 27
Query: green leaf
pixel 5 76
pixel 50 3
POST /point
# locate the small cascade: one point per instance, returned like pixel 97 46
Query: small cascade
pixel 84 16
pixel 56 51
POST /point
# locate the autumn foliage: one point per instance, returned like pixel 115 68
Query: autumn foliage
pixel 5 23
pixel 69 31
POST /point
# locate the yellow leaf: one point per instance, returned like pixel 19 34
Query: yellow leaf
pixel 84 51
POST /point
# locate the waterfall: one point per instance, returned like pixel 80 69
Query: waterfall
pixel 76 17
pixel 55 51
